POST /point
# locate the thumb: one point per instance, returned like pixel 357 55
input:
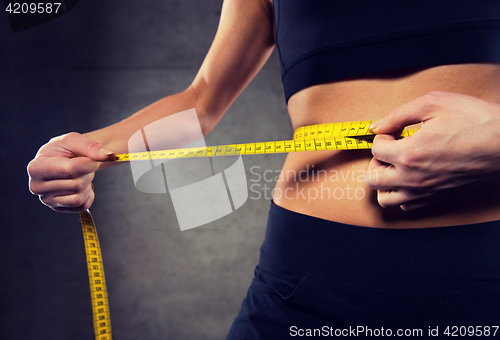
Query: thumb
pixel 414 112
pixel 102 154
pixel 74 144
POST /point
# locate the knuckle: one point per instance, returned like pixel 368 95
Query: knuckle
pixel 392 115
pixel 68 170
pixel 434 99
pixel 77 200
pixel 78 185
pixel 33 169
pixel 411 158
pixel 65 171
pixel 86 205
pixel 436 96
pixel 92 147
pixel 426 183
pixel 35 188
pixel 379 148
pixel 371 179
pixel 69 136
pixel 443 94
pixel 53 140
pixel 57 139
pixel 406 160
pixel 417 169
pixel 375 148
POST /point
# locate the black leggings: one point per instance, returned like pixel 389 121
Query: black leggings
pixel 324 279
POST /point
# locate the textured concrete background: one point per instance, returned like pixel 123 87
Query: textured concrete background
pixel 97 64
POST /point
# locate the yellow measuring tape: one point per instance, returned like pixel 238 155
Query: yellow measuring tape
pixel 334 136
pixel 321 137
pixel 98 292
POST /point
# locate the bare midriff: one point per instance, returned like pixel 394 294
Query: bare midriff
pixel 330 184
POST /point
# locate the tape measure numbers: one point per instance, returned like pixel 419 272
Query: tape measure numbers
pixel 335 136
pixel 98 292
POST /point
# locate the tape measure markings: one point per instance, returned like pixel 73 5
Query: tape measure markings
pixel 334 136
pixel 98 291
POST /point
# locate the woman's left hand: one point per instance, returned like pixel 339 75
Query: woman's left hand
pixel 458 143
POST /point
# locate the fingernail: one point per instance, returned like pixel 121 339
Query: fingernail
pixel 105 152
pixel 375 125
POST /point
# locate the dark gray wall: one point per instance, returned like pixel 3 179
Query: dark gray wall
pixel 97 64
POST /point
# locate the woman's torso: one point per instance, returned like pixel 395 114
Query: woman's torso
pixel 331 185
pixel 322 43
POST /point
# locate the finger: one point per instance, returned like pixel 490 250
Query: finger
pixel 413 112
pixel 391 198
pixel 414 206
pixel 75 144
pixel 61 187
pixel 375 176
pixel 74 202
pixel 383 176
pixel 387 148
pixel 86 205
pixel 52 168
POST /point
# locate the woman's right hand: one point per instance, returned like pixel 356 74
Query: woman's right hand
pixel 63 169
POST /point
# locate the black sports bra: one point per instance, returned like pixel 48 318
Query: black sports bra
pixel 320 41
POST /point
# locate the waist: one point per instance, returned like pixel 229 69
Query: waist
pixel 332 183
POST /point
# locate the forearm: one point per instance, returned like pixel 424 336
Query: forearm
pixel 176 134
pixel 115 137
